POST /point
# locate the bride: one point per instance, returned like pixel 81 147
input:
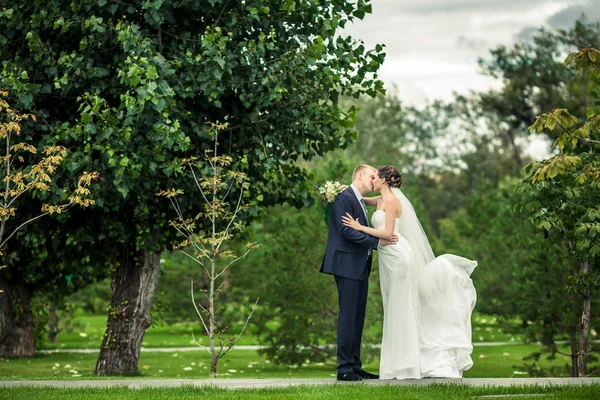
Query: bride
pixel 427 301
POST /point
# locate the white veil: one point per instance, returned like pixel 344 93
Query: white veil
pixel 412 230
pixel 432 277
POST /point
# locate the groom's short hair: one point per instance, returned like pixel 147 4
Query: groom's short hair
pixel 360 168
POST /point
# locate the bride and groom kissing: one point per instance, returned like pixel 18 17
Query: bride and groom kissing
pixel 427 301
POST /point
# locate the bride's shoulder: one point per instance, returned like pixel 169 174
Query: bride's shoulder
pixel 393 201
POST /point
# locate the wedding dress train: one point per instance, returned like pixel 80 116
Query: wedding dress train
pixel 427 305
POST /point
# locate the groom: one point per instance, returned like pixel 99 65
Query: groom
pixel 348 258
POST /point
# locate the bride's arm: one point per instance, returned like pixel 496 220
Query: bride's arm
pixel 371 201
pixel 386 233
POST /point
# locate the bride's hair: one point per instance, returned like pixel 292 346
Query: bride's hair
pixel 391 175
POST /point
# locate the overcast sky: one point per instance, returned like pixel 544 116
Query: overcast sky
pixel 433 45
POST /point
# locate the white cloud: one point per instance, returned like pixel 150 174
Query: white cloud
pixel 432 46
pixel 427 7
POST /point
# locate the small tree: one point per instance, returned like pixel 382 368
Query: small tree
pixel 23 174
pixel 20 174
pixel 218 178
pixel 562 195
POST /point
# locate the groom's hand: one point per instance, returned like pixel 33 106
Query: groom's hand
pixel 386 242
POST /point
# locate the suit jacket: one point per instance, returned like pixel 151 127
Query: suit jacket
pixel 346 254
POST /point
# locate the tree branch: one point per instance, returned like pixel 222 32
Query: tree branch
pixel 243 328
pixel 20 226
pixel 228 265
pixel 237 209
pixel 196 308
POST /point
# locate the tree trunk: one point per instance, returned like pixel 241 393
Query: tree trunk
pixel 516 152
pixel 585 325
pixel 574 355
pixel 52 328
pixel 133 284
pixel 16 321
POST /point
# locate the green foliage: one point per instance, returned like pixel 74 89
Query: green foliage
pixel 294 296
pixel 298 306
pixel 25 173
pixel 392 134
pixel 129 87
pixel 561 194
pixel 534 79
pixel 130 91
pixel 487 230
pixel 520 278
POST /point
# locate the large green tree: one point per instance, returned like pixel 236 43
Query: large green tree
pixel 131 88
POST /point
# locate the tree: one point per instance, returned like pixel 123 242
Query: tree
pixel 521 278
pixel 26 176
pixel 130 88
pixel 562 193
pixel 471 156
pixel 21 175
pixel 216 178
pixel 390 133
pixel 534 80
pixel 298 309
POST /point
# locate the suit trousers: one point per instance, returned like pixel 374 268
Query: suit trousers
pixel 352 298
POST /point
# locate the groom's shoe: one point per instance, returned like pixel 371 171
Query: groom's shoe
pixel 349 376
pixel 366 375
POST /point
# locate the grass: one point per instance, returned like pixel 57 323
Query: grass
pixel 489 362
pixel 90 328
pixel 486 329
pixel 497 361
pixel 358 391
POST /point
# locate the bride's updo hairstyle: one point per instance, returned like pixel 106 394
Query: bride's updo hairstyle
pixel 391 175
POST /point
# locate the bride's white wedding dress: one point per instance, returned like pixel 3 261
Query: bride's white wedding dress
pixel 427 304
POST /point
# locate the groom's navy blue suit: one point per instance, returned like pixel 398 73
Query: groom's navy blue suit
pixel 348 257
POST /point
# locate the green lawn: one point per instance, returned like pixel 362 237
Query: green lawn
pixel 486 329
pixel 90 328
pixel 352 391
pixel 496 361
pixel 490 362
